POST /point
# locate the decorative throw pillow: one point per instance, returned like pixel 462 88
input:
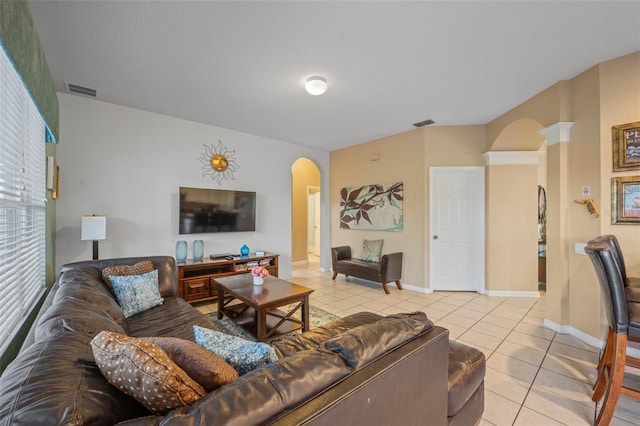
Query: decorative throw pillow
pixel 139 268
pixel 205 367
pixel 143 371
pixel 371 250
pixel 137 293
pixel 243 355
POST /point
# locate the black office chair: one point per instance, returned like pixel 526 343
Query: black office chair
pixel 624 325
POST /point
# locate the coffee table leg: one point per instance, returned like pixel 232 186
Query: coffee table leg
pixel 220 302
pixel 261 324
pixel 305 314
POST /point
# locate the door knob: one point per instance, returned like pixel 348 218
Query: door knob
pixel 435 237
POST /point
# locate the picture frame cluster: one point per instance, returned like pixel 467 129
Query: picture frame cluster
pixel 625 190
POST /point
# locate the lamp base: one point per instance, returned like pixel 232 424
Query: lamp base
pixel 95 249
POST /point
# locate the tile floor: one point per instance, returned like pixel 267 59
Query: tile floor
pixel 534 376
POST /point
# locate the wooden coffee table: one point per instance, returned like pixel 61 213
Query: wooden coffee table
pixel 258 311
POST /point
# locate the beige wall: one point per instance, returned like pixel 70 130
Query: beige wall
pixel 405 157
pixel 584 169
pixel 547 107
pixel 603 96
pixel 620 104
pixel 304 173
pixel 511 227
pixel 400 159
pixel 449 146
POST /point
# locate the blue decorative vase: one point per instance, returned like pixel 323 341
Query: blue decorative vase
pixel 181 251
pixel 198 250
pixel 244 251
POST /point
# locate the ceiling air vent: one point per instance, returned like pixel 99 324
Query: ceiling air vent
pixel 423 123
pixel 80 90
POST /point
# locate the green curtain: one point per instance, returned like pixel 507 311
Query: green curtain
pixel 20 40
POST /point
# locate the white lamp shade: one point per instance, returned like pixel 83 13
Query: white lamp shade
pixel 94 228
pixel 316 85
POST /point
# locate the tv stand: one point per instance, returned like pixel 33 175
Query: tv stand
pixel 197 277
pixel 222 256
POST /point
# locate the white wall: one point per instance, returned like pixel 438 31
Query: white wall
pixel 128 164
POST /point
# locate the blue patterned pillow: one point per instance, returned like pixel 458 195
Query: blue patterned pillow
pixel 243 355
pixel 136 293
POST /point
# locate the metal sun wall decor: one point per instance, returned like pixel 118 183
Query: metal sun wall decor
pixel 372 207
pixel 218 162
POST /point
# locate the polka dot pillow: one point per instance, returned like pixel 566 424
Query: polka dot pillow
pixel 144 371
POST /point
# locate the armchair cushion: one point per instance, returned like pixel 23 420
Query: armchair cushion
pixel 371 250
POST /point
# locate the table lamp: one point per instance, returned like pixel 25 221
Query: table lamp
pixel 94 228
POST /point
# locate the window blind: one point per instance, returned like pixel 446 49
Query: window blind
pixel 22 201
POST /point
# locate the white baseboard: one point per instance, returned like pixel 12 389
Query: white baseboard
pixel 323 269
pixel 413 288
pixel 501 293
pixel 580 335
pixel 587 338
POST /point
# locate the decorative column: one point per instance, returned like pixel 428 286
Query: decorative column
pixel 558 248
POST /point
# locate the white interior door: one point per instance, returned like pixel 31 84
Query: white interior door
pixel 456 200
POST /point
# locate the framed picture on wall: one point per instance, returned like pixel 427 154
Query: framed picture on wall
pixel 626 146
pixel 625 200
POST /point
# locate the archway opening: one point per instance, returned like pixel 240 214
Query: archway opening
pixel 305 212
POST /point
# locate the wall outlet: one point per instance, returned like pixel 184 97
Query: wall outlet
pixel 580 248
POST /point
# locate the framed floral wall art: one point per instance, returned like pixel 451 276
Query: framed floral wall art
pixel 373 207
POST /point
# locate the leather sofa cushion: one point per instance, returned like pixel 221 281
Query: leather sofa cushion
pixel 174 318
pixel 80 303
pixel 86 284
pixel 55 381
pixel 364 343
pixel 265 392
pixel 166 266
pixel 316 337
pixel 466 373
pixel 361 265
pixel 72 315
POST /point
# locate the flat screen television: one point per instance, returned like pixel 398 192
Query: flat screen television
pixel 205 210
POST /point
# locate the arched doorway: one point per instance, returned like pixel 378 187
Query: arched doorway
pixel 305 212
pixel 515 169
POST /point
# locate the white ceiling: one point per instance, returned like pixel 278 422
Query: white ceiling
pixel 242 65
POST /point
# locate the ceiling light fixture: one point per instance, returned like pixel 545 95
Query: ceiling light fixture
pixel 316 85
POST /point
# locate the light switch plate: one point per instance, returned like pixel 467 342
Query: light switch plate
pixel 580 248
pixel 586 191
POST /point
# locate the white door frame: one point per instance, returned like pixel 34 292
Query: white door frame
pixel 312 190
pixel 479 222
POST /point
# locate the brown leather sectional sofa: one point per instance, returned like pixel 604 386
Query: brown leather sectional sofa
pixel 361 369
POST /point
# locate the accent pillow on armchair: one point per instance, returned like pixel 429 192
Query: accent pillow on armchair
pixel 371 250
